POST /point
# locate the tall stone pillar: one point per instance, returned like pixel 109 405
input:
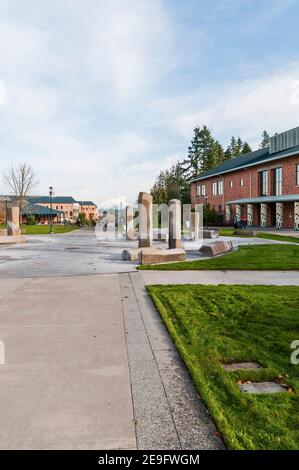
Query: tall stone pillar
pixel 175 209
pixel 264 215
pixel 129 223
pixel 238 212
pixel 145 208
pixel 279 215
pixel 250 215
pixel 194 225
pixel 296 215
pixel 228 213
pixel 13 221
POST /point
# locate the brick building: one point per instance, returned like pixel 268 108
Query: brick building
pixel 262 186
pixel 68 207
pixel 90 210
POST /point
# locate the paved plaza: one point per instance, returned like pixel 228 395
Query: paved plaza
pixel 88 361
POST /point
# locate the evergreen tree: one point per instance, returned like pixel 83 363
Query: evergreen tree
pixel 265 140
pixel 239 147
pixel 200 156
pixel 246 148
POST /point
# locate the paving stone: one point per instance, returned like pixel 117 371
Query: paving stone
pixel 262 387
pixel 241 365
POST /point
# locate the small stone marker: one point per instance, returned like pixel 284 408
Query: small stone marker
pixel 155 256
pixel 241 366
pixel 245 233
pixel 133 254
pixel 216 248
pixel 262 387
pixel 210 233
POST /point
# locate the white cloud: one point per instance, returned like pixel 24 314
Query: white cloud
pixel 247 107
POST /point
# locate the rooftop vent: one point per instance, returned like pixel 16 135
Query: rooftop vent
pixel 284 141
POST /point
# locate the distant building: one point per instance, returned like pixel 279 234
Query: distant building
pixel 65 209
pixel 66 205
pixel 261 187
pixel 89 208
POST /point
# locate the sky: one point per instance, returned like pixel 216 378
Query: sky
pixel 100 95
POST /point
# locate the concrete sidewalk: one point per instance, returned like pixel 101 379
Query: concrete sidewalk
pixel 278 278
pixel 65 383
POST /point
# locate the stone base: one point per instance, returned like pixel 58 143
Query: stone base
pixel 133 254
pixel 216 248
pixel 155 256
pixel 10 239
pixel 210 233
pixel 245 233
pixel 3 232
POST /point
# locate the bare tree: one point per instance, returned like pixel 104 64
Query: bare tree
pixel 20 179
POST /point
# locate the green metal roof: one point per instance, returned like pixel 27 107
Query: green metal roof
pixel 247 160
pixel 55 199
pixel 265 199
pixel 87 203
pixel 35 209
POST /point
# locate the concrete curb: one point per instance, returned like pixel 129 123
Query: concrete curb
pixel 167 408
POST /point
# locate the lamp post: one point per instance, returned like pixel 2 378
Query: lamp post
pixel 206 210
pixel 51 207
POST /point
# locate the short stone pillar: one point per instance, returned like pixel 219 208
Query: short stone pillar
pixel 264 215
pixel 145 208
pixel 249 215
pixel 228 213
pixel 129 223
pixel 194 226
pixel 174 227
pixel 238 212
pixel 13 221
pixel 296 215
pixel 279 215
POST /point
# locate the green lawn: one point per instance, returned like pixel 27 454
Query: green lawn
pixel 228 232
pixel 211 325
pixel 248 257
pixel 45 229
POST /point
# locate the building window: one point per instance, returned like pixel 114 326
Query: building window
pixel 241 182
pixel 198 190
pixel 231 184
pixel 264 183
pixel 201 191
pixel 220 188
pixel 277 182
pixel 214 188
pixel 297 175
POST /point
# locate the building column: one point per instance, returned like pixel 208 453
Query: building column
pixel 279 215
pixel 238 212
pixel 264 215
pixel 296 215
pixel 250 215
pixel 228 213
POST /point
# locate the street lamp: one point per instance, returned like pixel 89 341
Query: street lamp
pixel 206 207
pixel 51 207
